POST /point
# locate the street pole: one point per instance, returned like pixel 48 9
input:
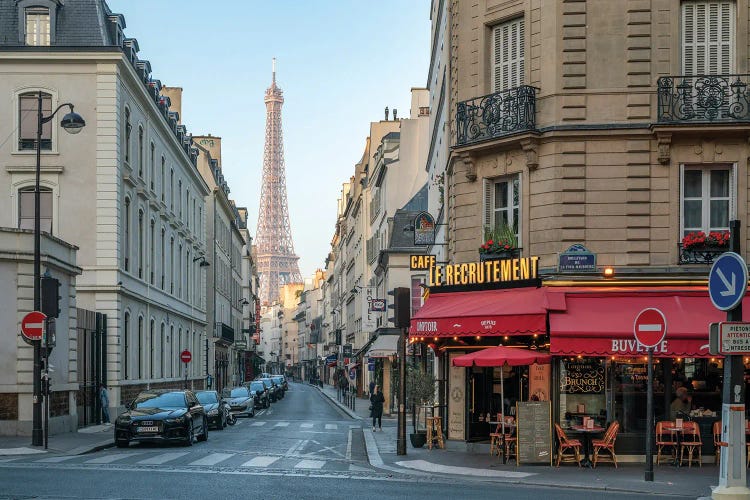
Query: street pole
pixel 401 440
pixel 650 418
pixel 36 415
pixel 732 472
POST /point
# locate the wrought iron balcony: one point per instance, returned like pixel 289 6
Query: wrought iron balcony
pixel 700 255
pixel 496 115
pixel 703 99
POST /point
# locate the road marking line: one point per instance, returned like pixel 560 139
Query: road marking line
pixel 467 471
pixel 310 464
pixel 55 460
pixel 258 424
pixel 108 459
pixel 331 426
pixel 282 424
pixel 294 447
pixel 260 462
pixel 163 458
pixel 349 446
pixel 306 426
pixel 213 459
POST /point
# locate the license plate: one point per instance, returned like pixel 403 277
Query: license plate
pixel 149 428
pixel 147 422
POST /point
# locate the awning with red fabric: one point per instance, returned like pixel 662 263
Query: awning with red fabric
pixel 501 356
pixel 518 311
pixel 598 322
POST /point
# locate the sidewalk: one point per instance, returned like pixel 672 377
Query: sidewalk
pixel 86 440
pixel 474 462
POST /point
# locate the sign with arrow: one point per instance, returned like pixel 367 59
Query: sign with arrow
pixel 727 281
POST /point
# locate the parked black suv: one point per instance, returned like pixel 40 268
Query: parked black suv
pixel 260 393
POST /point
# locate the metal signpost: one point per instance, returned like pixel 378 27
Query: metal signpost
pixel 650 328
pixel 186 356
pixel 727 284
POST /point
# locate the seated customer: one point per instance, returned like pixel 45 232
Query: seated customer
pixel 681 404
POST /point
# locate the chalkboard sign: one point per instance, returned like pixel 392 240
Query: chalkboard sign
pixel 534 432
pixel 582 377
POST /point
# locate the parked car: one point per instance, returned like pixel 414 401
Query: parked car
pixel 279 381
pixel 272 395
pixel 241 402
pixel 284 382
pixel 162 415
pixel 216 412
pixel 260 393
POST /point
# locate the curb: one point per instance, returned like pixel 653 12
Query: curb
pixel 339 405
pixel 90 448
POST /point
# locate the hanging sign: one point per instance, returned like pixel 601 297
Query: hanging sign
pixel 424 229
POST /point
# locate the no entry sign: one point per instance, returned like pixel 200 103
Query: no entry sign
pixel 185 356
pixel 650 327
pixel 32 325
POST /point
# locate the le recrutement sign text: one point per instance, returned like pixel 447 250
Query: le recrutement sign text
pixel 475 273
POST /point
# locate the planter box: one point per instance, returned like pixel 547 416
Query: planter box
pixel 508 254
pixel 700 255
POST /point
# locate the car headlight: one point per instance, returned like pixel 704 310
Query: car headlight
pixel 213 413
pixel 177 420
pixel 123 419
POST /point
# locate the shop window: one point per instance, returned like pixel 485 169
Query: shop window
pixel 707 198
pixel 582 391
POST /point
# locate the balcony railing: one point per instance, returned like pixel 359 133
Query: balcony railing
pixel 700 255
pixel 704 98
pixel 496 115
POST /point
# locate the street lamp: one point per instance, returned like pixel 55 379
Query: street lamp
pixel 72 122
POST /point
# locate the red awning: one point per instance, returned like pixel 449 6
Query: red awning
pixel 598 322
pixel 501 356
pixel 519 311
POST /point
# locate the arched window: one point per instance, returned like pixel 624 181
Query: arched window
pixel 179 195
pixel 162 346
pixel 152 256
pixel 171 263
pixel 151 346
pixel 126 346
pixel 171 189
pixel 141 243
pixel 126 235
pixel 139 348
pixel 26 209
pixel 128 128
pixel 28 111
pixel 187 275
pixel 140 152
pixel 163 257
pixel 151 168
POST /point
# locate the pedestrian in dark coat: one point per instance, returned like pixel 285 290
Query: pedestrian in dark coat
pixel 376 407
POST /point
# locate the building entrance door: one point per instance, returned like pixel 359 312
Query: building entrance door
pixel 479 402
pixel 92 348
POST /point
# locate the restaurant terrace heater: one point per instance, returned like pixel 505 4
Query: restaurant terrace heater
pixel 502 356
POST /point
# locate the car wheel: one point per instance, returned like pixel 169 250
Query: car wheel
pixel 190 434
pixel 204 433
pixel 267 404
pixel 122 443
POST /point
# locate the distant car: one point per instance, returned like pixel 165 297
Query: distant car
pixel 279 381
pixel 272 396
pixel 216 412
pixel 241 401
pixel 162 415
pixel 260 393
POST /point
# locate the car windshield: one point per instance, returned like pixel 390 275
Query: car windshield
pixel 165 400
pixel 257 386
pixel 267 383
pixel 207 397
pixel 239 392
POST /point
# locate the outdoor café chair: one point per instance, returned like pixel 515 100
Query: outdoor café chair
pixel 511 440
pixel 665 439
pixel 691 442
pixel 496 438
pixel 717 441
pixel 607 444
pixel 567 444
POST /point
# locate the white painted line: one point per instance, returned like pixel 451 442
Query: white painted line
pixel 649 328
pixel 260 462
pixel 331 426
pixel 163 458
pixel 349 446
pixel 294 448
pixel 310 464
pixel 258 424
pixel 282 424
pixel 213 459
pixel 108 459
pixel 20 451
pixel 306 426
pixel 55 460
pixel 426 466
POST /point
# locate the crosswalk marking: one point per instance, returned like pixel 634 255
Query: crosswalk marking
pixel 282 424
pixel 310 464
pixel 213 459
pixel 306 426
pixel 260 462
pixel 258 424
pixel 108 459
pixel 331 426
pixel 163 458
pixel 55 460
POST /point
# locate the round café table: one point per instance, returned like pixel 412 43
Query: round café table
pixel 677 431
pixel 587 432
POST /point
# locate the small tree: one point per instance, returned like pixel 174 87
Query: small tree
pixel 420 389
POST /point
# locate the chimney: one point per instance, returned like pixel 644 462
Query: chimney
pixel 175 96
pixel 386 113
pixel 212 144
pixel 395 112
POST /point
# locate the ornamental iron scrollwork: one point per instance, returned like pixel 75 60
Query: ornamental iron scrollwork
pixel 704 98
pixel 496 115
pixel 700 255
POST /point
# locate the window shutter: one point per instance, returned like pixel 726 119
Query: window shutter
pixel 508 55
pixel 488 204
pixel 707 37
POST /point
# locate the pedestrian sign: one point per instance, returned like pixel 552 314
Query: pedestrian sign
pixel 727 281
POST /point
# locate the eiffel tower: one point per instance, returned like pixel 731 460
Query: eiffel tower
pixel 276 260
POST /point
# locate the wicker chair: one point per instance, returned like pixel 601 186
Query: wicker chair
pixel 510 439
pixel 691 442
pixel 665 439
pixel 496 438
pixel 717 441
pixel 607 443
pixel 567 444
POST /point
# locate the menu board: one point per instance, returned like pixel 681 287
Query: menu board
pixel 534 432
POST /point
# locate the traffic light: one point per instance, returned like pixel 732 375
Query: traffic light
pixel 51 297
pixel 401 307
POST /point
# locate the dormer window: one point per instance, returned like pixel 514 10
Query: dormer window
pixel 37 26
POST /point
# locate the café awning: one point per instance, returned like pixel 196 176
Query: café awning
pixel 599 322
pixel 518 311
pixel 501 356
pixel 384 346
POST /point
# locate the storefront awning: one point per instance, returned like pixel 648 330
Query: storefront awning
pixel 598 322
pixel 384 346
pixel 501 356
pixel 518 311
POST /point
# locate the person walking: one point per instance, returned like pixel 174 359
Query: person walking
pixel 372 386
pixel 104 399
pixel 376 407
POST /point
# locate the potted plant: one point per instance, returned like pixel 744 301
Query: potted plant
pixel 420 388
pixel 699 240
pixel 499 243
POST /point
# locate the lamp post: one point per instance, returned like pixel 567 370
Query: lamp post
pixel 72 122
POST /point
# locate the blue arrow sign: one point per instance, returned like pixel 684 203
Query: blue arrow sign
pixel 727 281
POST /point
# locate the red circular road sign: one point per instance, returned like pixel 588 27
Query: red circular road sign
pixel 32 325
pixel 650 327
pixel 185 356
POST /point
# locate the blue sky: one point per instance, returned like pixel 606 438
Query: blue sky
pixel 339 63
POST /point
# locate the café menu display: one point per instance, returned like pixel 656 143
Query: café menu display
pixel 534 432
pixel 582 377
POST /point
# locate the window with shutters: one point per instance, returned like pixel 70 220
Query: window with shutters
pixel 37 26
pixel 28 121
pixel 708 197
pixel 508 55
pixel 502 202
pixel 708 37
pixel 26 209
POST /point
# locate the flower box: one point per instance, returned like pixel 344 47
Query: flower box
pixel 507 254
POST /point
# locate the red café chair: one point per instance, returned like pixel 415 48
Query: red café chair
pixel 607 443
pixel 717 439
pixel 567 444
pixel 691 442
pixel 496 438
pixel 510 439
pixel 665 439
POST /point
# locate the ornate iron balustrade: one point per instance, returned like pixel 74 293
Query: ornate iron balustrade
pixel 700 255
pixel 496 115
pixel 703 98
